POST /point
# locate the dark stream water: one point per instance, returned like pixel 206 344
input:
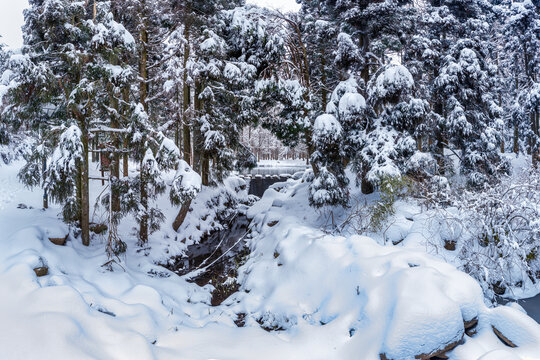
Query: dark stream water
pixel 229 240
pixel 211 248
pixel 531 306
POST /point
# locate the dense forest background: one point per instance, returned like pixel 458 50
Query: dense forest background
pixel 375 94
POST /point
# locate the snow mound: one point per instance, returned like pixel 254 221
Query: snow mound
pixel 371 299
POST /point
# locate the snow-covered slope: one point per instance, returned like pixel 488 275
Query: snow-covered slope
pixel 371 299
pixel 334 297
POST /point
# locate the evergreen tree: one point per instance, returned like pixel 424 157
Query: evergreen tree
pixel 53 89
pixel 522 46
pixel 155 154
pixel 59 77
pixel 473 122
pixel 235 52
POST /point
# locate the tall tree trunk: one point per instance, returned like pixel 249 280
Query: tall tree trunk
pixel 95 143
pixel 439 139
pixel 324 80
pixel 85 193
pixel 205 171
pixel 143 94
pixel 439 152
pixel 516 139
pixel 179 220
pixel 366 186
pixel 186 130
pixel 534 143
pixel 45 195
pixel 364 45
pixel 78 190
pixel 143 67
pixel 197 137
pixel 115 142
pixel 143 228
pixel 125 161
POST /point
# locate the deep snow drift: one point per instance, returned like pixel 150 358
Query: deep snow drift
pixel 324 296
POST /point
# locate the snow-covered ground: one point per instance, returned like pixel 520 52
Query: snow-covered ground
pixel 326 297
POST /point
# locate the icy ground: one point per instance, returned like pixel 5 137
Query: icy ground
pixel 326 297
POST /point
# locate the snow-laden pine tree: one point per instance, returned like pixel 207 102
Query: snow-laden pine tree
pixel 65 68
pixel 53 89
pixel 59 182
pixel 289 94
pixel 379 28
pixel 155 153
pixel 473 120
pixel 329 186
pixel 235 52
pixel 521 32
pixel 390 141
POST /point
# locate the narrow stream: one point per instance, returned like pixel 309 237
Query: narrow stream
pixel 212 247
pixel 229 240
pixel 531 306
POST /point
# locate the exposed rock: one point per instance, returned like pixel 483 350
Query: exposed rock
pixel 470 326
pixel 498 289
pixel 503 338
pixel 98 228
pixel 59 241
pixel 450 245
pixel 440 354
pixel 240 320
pixel 41 271
pixel 106 312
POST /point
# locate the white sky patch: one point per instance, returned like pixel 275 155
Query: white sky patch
pixel 11 20
pixel 283 5
pixel 11 17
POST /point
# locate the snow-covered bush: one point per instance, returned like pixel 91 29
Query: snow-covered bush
pixel 504 221
pixel 390 190
pixel 326 190
pixel 330 184
pixel 497 229
pixel 186 184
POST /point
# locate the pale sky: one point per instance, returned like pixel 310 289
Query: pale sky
pixel 283 5
pixel 11 18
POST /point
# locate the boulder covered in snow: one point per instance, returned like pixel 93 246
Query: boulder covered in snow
pixel 378 301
